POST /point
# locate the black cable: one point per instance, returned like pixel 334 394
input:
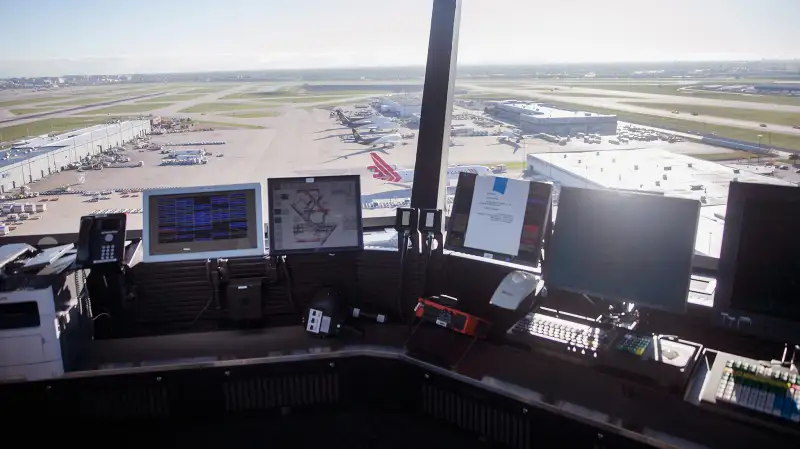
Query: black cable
pixel 428 253
pixel 403 249
pixel 429 250
pixel 288 278
pixel 202 311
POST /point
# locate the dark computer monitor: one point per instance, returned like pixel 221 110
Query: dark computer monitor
pixel 207 222
pixel 313 215
pixel 758 280
pixel 525 245
pixel 621 246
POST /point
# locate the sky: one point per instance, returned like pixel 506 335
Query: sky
pixel 55 37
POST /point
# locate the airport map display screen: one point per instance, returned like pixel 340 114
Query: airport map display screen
pixel 201 222
pixel 760 257
pixel 500 218
pixel 308 215
pixel 622 246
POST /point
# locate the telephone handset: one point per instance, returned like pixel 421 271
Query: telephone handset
pixel 101 239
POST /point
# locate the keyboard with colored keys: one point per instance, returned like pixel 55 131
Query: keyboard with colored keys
pixel 760 387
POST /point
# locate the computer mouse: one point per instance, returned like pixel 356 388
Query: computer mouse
pixel 670 354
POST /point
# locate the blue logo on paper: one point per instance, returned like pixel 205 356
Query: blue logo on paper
pixel 500 185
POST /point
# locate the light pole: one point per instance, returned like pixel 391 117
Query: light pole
pixel 758 137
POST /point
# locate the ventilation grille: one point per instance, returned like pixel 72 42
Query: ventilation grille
pixel 288 391
pixel 145 402
pixel 310 272
pixel 173 292
pixel 379 273
pixel 247 267
pixel 468 414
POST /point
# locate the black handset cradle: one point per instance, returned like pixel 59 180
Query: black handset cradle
pixel 101 239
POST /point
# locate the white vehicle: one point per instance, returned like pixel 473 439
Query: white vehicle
pixel 405 177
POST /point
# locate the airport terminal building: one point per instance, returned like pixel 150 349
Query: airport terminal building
pixel 33 159
pixel 401 105
pixel 653 171
pixel 535 118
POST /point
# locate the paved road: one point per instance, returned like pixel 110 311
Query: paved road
pixel 616 103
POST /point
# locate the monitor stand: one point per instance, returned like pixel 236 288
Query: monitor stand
pixel 620 314
pixel 790 362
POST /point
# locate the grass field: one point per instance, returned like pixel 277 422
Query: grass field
pixel 203 88
pixel 349 93
pixel 753 115
pixel 133 108
pixel 255 114
pixel 220 107
pixel 27 101
pixel 205 124
pixel 25 111
pixel 171 98
pixel 84 101
pixel 672 89
pixel 256 93
pixel 322 100
pixel 729 156
pixel 561 93
pixel 747 135
pixel 39 127
pixel 512 165
pixel 492 96
pixel 298 95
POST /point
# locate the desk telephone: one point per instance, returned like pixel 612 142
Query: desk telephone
pixel 101 239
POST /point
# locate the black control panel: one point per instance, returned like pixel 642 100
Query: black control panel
pixel 658 360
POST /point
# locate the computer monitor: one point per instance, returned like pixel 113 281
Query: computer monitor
pixel 209 222
pixel 312 215
pixel 499 218
pixel 621 246
pixel 758 280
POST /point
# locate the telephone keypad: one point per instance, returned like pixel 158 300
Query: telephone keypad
pixel 107 252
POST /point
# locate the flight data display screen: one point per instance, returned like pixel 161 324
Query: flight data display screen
pixel 199 222
pixel 309 215
pixel 219 216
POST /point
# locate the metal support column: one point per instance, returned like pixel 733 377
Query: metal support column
pixel 430 180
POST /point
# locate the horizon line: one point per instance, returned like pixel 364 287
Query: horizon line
pixel 415 66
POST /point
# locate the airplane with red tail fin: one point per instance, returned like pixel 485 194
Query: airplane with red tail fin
pixel 405 177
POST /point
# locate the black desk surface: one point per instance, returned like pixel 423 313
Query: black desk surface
pixel 657 417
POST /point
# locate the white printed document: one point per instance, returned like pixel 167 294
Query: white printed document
pixel 497 213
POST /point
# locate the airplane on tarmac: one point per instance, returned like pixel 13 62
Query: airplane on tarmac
pixel 387 140
pixel 359 122
pixel 405 177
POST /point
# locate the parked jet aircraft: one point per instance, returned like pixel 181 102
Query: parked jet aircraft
pixel 392 174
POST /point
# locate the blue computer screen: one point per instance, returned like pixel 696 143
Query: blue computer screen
pixel 198 218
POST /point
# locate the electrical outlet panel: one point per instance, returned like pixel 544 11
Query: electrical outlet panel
pixel 314 321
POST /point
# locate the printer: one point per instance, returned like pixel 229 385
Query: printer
pixel 45 316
